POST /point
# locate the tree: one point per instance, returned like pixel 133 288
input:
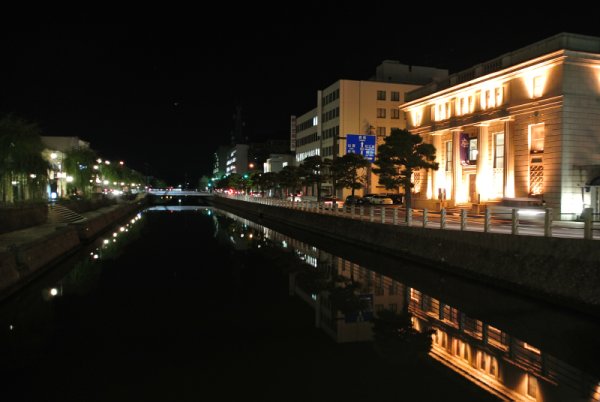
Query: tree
pixel 78 164
pixel 267 181
pixel 314 170
pixel 289 178
pixel 401 155
pixel 350 172
pixel 21 159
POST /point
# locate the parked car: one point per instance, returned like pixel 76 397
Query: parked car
pixel 328 200
pixel 354 200
pixel 368 197
pixel 396 198
pixel 381 199
pixel 294 197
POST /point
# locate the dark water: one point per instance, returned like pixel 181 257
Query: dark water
pixel 195 305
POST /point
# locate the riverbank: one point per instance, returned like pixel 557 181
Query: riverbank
pixel 26 253
pixel 558 270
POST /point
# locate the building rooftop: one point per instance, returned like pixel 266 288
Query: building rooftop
pixel 561 41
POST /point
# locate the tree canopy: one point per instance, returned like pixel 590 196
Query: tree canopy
pixel 402 154
pixel 350 171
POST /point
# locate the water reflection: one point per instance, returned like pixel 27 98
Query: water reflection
pixel 29 317
pixel 483 350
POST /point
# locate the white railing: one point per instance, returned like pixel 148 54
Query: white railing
pixel 507 223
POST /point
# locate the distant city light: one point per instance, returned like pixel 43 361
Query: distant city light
pixel 53 155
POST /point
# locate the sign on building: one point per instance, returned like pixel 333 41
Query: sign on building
pixel 361 144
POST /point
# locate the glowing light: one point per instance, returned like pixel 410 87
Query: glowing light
pixel 106 241
pixel 121 163
pixel 122 229
pixel 53 155
pixel 14 183
pixel 105 182
pixel 99 160
pixel 11 327
pixel 417 116
pixel 95 256
pixel 106 162
pixel 535 82
pixel 33 175
pixel 53 292
pixel 69 179
pixel 115 234
pixel 250 236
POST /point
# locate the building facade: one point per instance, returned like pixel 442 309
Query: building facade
pixel 358 107
pixel 524 126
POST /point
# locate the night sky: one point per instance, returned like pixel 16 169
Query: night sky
pixel 158 87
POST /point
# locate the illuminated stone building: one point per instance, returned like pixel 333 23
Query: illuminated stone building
pixel 358 107
pixel 525 125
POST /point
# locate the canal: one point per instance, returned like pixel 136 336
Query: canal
pixel 187 303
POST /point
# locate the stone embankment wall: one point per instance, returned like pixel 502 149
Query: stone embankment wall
pixel 559 270
pixel 28 252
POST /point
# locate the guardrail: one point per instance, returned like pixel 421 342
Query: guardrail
pixel 509 223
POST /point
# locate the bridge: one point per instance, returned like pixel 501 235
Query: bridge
pixel 177 192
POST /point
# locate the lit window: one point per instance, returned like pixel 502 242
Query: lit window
pixel 473 151
pixel 448 156
pixel 538 86
pixel 499 151
pixel 532 386
pixel 499 95
pixel 536 138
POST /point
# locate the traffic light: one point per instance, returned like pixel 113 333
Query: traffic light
pixel 245 175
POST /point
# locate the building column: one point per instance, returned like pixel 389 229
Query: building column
pixel 509 161
pixel 456 168
pixel 484 176
pixel 435 181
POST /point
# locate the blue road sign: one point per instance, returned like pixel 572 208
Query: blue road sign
pixel 361 144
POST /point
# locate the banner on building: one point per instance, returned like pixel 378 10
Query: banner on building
pixel 464 149
pixel 361 144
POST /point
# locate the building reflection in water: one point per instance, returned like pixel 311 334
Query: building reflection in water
pixel 504 365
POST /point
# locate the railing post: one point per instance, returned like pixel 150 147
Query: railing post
pixel 409 216
pixel 372 214
pixel 424 217
pixel 382 214
pixel 362 212
pixel 486 220
pixel 395 216
pixel 515 221
pixel 443 218
pixel 463 219
pixel 588 223
pixel 352 211
pixel 548 223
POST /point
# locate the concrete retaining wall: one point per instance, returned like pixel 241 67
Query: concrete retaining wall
pixel 22 262
pixel 564 271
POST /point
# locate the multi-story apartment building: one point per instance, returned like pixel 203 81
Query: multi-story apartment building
pixel 358 107
pixel 525 125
